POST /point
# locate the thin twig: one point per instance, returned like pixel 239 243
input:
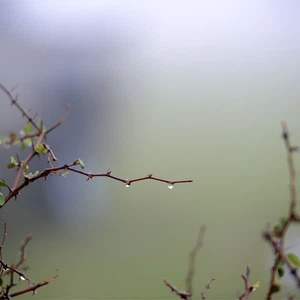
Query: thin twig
pixel 182 294
pixel 24 243
pixel 192 259
pixel 31 288
pixel 54 170
pixel 10 268
pixel 248 287
pixel 3 239
pixel 276 238
pixel 281 256
pixel 206 288
pixel 127 181
pixel 14 101
pixel 290 150
pixel 61 121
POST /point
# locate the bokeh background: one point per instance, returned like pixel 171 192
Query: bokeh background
pixel 183 90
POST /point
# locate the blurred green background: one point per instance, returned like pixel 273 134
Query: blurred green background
pixel 182 90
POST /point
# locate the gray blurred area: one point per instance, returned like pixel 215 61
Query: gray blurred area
pixel 183 90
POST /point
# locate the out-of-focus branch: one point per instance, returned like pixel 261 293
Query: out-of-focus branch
pixel 3 238
pixel 248 287
pixel 276 237
pixel 182 294
pixel 192 259
pixel 206 288
pixel 14 101
pixel 15 269
pixel 31 288
pixel 191 271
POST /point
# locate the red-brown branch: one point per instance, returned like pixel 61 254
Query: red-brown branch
pixel 277 238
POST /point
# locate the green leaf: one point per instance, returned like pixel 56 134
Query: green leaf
pixel 294 259
pixel 13 163
pixel 2 199
pixel 28 176
pixel 39 148
pixel 1 282
pixel 280 271
pixel 2 183
pixel 276 287
pixel 26 167
pixel 28 128
pixel 66 174
pixel 22 146
pixel 28 142
pixel 256 285
pixel 280 263
pixel 82 164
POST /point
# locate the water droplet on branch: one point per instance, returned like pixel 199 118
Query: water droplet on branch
pixel 170 186
pixel 127 184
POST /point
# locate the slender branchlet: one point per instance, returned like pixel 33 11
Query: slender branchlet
pixel 31 288
pixel 14 101
pixel 192 259
pixel 276 236
pixel 191 271
pixel 182 294
pixel 206 288
pixel 3 237
pixel 248 287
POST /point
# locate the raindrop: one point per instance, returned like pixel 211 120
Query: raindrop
pixel 127 183
pixel 22 277
pixel 170 186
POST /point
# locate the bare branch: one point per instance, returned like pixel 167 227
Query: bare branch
pixel 182 294
pixel 276 237
pixel 192 259
pixel 3 239
pixel 24 243
pixel 31 288
pixel 207 287
pixel 55 170
pixel 61 120
pixel 248 287
pixel 14 101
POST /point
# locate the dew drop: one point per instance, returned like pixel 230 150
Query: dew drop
pixel 22 277
pixel 170 186
pixel 127 184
